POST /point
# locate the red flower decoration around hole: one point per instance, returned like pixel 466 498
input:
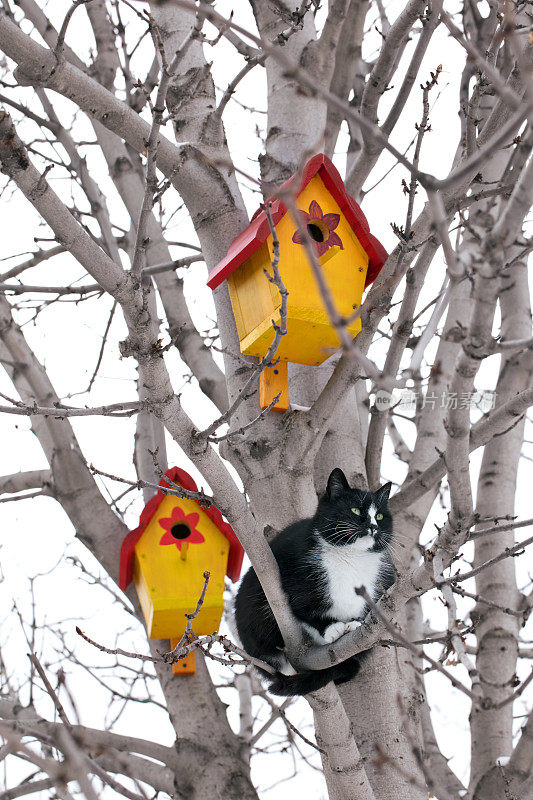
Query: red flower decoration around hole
pixel 181 527
pixel 320 227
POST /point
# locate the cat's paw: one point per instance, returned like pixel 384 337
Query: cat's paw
pixel 352 626
pixel 338 629
pixel 334 631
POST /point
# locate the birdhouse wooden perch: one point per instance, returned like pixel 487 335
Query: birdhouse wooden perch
pixel 166 557
pixel 350 257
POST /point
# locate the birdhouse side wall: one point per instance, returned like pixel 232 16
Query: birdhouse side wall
pixel 143 593
pixel 253 297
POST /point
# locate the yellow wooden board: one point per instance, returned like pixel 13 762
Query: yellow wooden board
pixel 248 283
pixel 185 666
pixel 344 272
pixel 311 338
pixel 272 381
pixel 236 306
pixel 169 581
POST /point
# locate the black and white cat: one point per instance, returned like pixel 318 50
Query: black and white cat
pixel 321 561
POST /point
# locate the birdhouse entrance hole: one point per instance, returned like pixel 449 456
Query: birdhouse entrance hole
pixel 318 230
pixel 180 531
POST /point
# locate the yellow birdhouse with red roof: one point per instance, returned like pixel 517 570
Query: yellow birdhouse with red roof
pixel 166 557
pixel 350 258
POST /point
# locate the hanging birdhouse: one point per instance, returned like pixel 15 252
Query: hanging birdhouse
pixel 166 557
pixel 350 257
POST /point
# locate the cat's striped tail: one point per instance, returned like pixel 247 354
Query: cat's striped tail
pixel 311 680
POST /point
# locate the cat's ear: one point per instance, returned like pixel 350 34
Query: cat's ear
pixel 382 494
pixel 337 484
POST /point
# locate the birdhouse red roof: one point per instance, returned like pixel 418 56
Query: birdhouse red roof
pixel 258 230
pixel 182 478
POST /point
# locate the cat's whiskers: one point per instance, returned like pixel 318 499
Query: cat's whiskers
pixel 393 548
pixel 343 533
pixel 359 530
pixel 401 536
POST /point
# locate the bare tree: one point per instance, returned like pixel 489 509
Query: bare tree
pixel 137 98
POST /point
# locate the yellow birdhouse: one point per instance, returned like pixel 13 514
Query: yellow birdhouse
pixel 350 257
pixel 166 557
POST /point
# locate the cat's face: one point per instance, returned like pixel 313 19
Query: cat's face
pixel 347 516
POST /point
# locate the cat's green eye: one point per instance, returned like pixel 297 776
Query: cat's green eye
pixel 356 511
pixel 379 517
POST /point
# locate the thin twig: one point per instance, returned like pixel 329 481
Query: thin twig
pixel 507 553
pixel 418 651
pixel 22 288
pixel 279 332
pixel 171 488
pixel 59 411
pixel 55 699
pixel 60 44
pixel 525 523
pixel 455 635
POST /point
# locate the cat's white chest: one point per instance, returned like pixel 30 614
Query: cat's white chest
pixel 346 568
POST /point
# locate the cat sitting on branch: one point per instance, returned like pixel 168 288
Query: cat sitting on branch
pixel 322 561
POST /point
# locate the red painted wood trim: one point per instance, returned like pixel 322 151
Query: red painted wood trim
pixel 179 476
pixel 258 230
